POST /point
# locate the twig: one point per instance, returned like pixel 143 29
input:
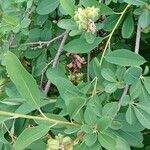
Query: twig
pixel 88 67
pixel 138 37
pixel 136 50
pixel 56 60
pixel 42 43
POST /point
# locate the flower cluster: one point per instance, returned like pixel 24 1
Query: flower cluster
pixel 85 18
pixel 60 142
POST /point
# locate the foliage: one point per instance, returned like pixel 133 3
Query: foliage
pixel 72 75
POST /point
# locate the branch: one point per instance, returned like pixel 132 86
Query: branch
pixel 138 37
pixel 55 62
pixel 42 43
pixel 55 121
pixel 136 50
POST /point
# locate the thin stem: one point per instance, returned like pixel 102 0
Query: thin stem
pixel 15 115
pixel 88 67
pixel 13 138
pixel 42 113
pixel 95 86
pixel 47 87
pixel 111 34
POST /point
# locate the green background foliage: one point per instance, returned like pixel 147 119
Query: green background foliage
pixel 64 86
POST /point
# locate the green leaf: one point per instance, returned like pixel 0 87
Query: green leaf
pixel 71 130
pixel 95 70
pixel 90 139
pixel 107 140
pixel 47 6
pixel 9 20
pixel 86 128
pixel 35 34
pixel 75 32
pixel 130 115
pixel 144 95
pixel 25 108
pixel 145 107
pixel 39 144
pixel 67 24
pixel 143 117
pixel 50 123
pixel 65 87
pixel 111 87
pixel 40 19
pixel 135 2
pixel 124 57
pixel 135 89
pixel 144 19
pixel 133 139
pixel 25 22
pixel 147 84
pixel 126 100
pixel 89 116
pixel 46 34
pixel 19 1
pixel 108 75
pixel 68 6
pixel 29 135
pixel 75 46
pixel 132 75
pixel 2 138
pixel 104 123
pixel 135 127
pixel 104 10
pixel 110 22
pixel 72 96
pixel 122 144
pixel 74 105
pixel 96 146
pixel 110 109
pixel 90 37
pixel 115 125
pixel 24 82
pixel 128 27
pixel 95 105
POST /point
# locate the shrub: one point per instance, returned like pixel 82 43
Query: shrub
pixel 75 74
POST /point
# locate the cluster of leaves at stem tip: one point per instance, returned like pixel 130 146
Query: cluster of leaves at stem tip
pixel 74 74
